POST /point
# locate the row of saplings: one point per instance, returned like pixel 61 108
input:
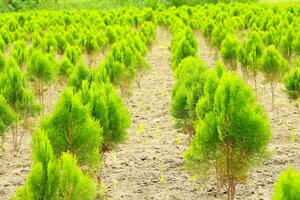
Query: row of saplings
pixel 229 129
pixel 83 126
pixel 88 120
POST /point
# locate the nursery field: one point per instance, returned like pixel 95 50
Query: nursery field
pixel 168 103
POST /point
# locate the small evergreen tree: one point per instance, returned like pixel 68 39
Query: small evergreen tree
pixel 7 118
pixel 191 76
pixel 287 186
pixel 229 51
pixel 73 53
pixel 65 67
pixel 15 90
pixel 80 73
pixel 253 50
pixel 274 66
pixel 19 52
pixel 41 72
pixel 71 128
pixel 292 85
pixel 286 43
pixel 107 107
pixel 74 185
pixel 231 137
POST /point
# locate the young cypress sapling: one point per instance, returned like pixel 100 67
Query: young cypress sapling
pixel 220 147
pixel 40 71
pixel 71 128
pixel 274 66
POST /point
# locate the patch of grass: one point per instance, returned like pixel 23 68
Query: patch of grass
pixel 279 1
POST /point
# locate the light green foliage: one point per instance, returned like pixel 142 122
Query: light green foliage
pixel 73 53
pixel 89 42
pixel 190 78
pixel 40 70
pixel 7 118
pixel 15 89
pixel 2 45
pixel 292 85
pixel 274 66
pixel 54 179
pixel 296 45
pixel 253 50
pixel 80 73
pixel 71 128
pixel 184 45
pixel 19 52
pixel 73 183
pixel 220 147
pixel 229 51
pixel 65 67
pixel 2 62
pixel 107 107
pixel 286 43
pixel 218 35
pixel 287 186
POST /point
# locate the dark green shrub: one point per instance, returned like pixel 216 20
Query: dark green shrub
pixel 287 186
pixel 71 128
pixel 220 147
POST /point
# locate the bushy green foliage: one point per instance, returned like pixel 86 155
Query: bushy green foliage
pixel 106 107
pixel 287 186
pixel 40 70
pixel 274 66
pixel 54 179
pixel 229 51
pixel 7 118
pixel 286 43
pixel 253 50
pixel 65 67
pixel 292 85
pixel 80 73
pixel 219 146
pixel 73 53
pixel 43 180
pixel 190 78
pixel 184 45
pixel 71 128
pixel 2 62
pixel 19 52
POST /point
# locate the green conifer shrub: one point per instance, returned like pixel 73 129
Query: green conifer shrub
pixel 287 186
pixel 19 52
pixel 232 137
pixel 292 85
pixel 274 66
pixel 41 72
pixel 65 67
pixel 229 51
pixel 80 73
pixel 2 62
pixel 107 107
pixel 190 78
pixel 185 46
pixel 286 43
pixel 71 128
pixel 52 178
pixel 73 53
pixel 15 90
pixel 7 118
pixel 253 50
